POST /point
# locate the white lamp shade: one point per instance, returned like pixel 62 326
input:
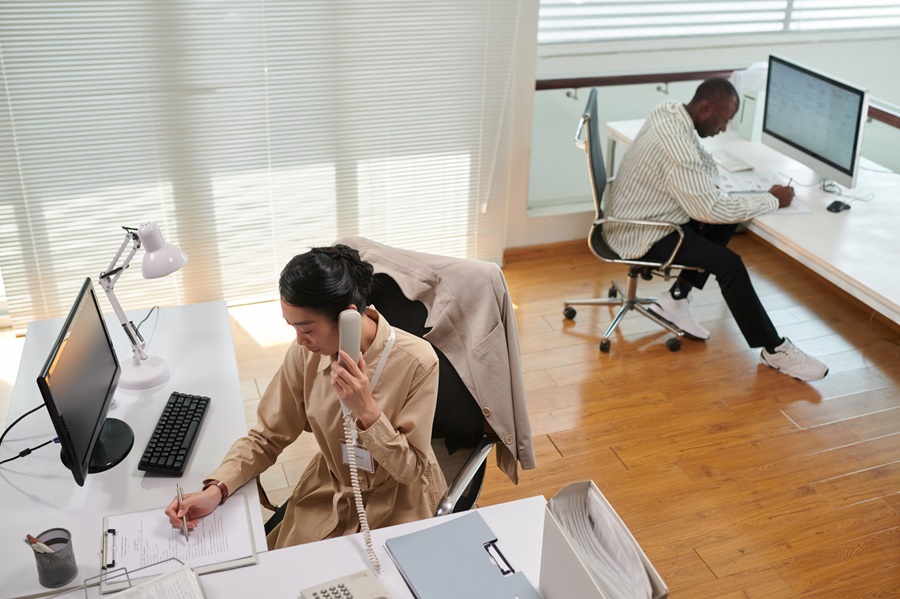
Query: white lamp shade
pixel 160 258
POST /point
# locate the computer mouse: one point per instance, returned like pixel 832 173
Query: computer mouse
pixel 838 206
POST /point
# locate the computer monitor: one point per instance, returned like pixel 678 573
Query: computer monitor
pixel 77 383
pixel 815 119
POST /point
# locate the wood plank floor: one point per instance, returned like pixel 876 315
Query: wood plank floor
pixel 736 480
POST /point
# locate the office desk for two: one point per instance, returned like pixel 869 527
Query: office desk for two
pixel 857 249
pixel 38 492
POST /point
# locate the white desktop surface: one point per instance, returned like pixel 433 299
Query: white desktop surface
pixel 38 492
pixel 856 249
pixel 283 573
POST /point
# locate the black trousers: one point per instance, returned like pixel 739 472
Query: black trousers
pixel 704 247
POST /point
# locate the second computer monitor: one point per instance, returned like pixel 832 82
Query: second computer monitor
pixel 815 119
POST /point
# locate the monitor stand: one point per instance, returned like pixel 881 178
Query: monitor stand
pixel 115 441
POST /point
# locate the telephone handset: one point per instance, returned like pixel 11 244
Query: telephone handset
pixel 350 333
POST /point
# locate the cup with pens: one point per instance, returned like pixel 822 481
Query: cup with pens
pixel 54 556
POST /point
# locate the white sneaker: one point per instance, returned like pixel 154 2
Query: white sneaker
pixel 677 312
pixel 789 359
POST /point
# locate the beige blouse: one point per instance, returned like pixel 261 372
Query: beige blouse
pixel 407 482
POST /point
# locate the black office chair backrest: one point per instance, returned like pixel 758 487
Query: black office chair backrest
pixel 589 127
pixel 592 147
pixel 458 418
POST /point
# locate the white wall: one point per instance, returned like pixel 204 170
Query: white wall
pixel 867 59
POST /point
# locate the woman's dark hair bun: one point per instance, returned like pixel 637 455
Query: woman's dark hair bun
pixel 327 279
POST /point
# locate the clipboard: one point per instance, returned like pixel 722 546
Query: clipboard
pixel 138 540
pixel 458 558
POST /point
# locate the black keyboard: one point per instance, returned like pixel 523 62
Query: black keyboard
pixel 170 445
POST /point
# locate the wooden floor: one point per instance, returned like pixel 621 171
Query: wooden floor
pixel 736 480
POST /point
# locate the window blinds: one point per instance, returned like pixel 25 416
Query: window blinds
pixel 563 21
pixel 250 131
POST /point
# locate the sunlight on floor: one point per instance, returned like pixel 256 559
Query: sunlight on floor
pixel 263 322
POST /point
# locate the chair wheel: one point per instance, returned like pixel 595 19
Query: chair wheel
pixel 569 313
pixel 604 346
pixel 613 292
pixel 673 343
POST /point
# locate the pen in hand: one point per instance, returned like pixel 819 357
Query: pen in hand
pixel 184 528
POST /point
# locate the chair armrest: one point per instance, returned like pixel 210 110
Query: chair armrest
pixel 465 475
pixel 648 223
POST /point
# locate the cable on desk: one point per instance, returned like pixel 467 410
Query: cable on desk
pixel 17 420
pixel 138 327
pixel 26 452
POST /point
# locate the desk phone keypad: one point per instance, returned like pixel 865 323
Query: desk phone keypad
pixel 359 585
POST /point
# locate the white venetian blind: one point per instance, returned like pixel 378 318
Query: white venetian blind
pixel 565 21
pixel 250 131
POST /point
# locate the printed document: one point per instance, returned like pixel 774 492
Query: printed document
pixel 222 540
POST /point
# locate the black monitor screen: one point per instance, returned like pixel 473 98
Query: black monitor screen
pixel 77 383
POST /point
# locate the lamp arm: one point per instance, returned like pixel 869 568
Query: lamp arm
pixel 108 282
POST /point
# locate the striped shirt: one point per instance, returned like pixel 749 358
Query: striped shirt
pixel 666 175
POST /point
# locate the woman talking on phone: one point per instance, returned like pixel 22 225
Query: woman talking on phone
pixel 390 395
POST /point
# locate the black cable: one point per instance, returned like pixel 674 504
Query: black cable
pixel 24 452
pixel 9 428
pixel 28 451
pixel 138 327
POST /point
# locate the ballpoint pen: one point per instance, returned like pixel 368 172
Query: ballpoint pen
pixel 184 528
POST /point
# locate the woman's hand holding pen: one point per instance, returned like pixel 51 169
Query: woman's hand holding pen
pixel 352 386
pixel 195 506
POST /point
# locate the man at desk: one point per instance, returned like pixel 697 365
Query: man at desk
pixel 667 175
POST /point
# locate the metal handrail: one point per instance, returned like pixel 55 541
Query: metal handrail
pixel 879 114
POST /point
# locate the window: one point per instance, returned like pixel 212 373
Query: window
pixel 565 21
pixel 250 131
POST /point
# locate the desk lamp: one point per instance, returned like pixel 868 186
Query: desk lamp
pixel 160 259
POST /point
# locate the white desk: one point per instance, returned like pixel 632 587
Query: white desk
pixel 284 572
pixel 857 249
pixel 38 492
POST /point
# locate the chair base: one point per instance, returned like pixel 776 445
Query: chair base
pixel 628 300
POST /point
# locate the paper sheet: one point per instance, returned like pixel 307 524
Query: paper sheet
pixel 740 183
pixel 178 584
pixel 146 538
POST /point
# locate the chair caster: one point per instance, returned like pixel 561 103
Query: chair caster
pixel 613 292
pixel 673 343
pixel 604 346
pixel 569 313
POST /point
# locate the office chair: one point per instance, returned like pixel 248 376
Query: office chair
pixel 587 136
pixel 459 436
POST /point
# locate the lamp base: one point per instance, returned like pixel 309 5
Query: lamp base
pixel 143 374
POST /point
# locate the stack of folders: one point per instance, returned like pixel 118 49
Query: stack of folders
pixel 586 539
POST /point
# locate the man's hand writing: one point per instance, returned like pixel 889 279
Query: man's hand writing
pixel 784 194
